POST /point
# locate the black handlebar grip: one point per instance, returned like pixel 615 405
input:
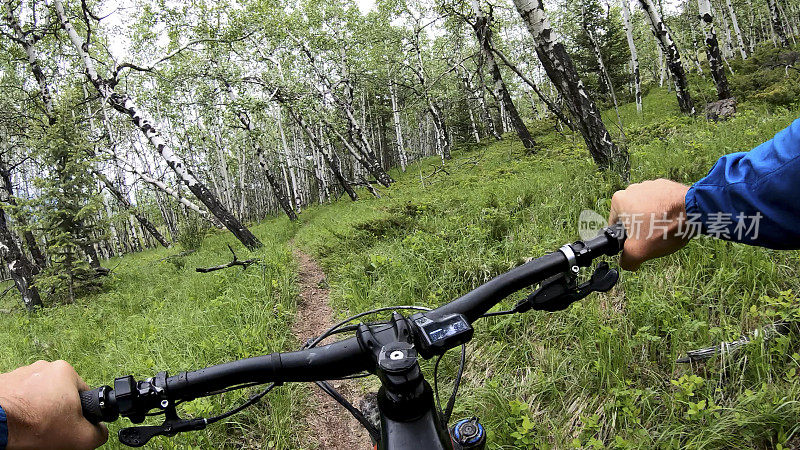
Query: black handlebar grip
pixel 90 404
pixel 96 407
pixel 617 235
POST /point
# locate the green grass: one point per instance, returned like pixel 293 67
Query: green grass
pixel 155 316
pixel 600 374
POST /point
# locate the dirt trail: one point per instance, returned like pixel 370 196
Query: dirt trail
pixel 330 426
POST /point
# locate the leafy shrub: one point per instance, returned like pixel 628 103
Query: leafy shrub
pixel 191 235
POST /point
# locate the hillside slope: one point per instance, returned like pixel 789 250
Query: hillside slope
pixel 602 373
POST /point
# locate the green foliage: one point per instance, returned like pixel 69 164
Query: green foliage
pixel 607 30
pixel 597 375
pixel 68 208
pixel 769 75
pixel 153 316
pixel 191 234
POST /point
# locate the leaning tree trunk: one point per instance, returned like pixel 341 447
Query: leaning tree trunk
pixel 670 50
pixel 775 22
pixel 637 80
pixel 551 105
pixel 27 40
pixel 19 266
pixel 244 118
pixel 143 221
pixel 124 104
pixel 561 71
pixel 331 159
pixel 174 194
pixel 736 29
pixel 483 31
pixel 712 49
pixel 603 71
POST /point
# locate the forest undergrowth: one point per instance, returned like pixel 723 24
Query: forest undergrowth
pixel 602 374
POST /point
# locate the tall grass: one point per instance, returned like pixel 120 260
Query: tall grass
pixel 600 374
pixel 603 373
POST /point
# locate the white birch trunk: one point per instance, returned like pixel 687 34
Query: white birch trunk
pixel 736 29
pixel 561 71
pixel 398 129
pixel 125 105
pixel 775 22
pixel 670 50
pixel 712 49
pixel 637 82
pixel 33 60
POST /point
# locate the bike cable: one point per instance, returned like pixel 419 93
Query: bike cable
pixel 448 411
pixel 328 389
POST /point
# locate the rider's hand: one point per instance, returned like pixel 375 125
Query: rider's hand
pixel 652 212
pixel 44 410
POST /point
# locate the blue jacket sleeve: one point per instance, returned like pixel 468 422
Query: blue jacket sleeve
pixel 3 429
pixel 753 197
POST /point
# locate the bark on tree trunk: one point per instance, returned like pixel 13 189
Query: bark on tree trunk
pixel 244 118
pixel 712 49
pixel 482 26
pixel 398 129
pixel 143 221
pixel 775 22
pixel 27 41
pixel 637 81
pixel 19 266
pixel 736 29
pixel 559 67
pixel 670 50
pixel 124 104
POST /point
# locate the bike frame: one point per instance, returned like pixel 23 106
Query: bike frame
pixel 428 427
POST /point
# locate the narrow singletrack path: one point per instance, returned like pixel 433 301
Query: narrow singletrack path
pixel 330 426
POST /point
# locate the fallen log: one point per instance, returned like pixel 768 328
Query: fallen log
pixel 235 262
pixel 728 348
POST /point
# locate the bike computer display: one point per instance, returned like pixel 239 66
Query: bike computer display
pixel 442 334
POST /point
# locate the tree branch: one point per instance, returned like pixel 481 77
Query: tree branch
pixel 235 262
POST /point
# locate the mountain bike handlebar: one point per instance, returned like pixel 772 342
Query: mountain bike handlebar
pixel 134 400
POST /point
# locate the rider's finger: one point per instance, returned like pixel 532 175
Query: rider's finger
pixel 92 436
pixel 81 385
pixel 612 216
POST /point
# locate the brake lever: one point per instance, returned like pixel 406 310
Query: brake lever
pixel 139 436
pixel 559 291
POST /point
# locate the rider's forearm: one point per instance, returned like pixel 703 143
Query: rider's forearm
pixel 752 197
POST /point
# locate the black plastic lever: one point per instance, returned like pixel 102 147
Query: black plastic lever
pixel 560 291
pixel 138 436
